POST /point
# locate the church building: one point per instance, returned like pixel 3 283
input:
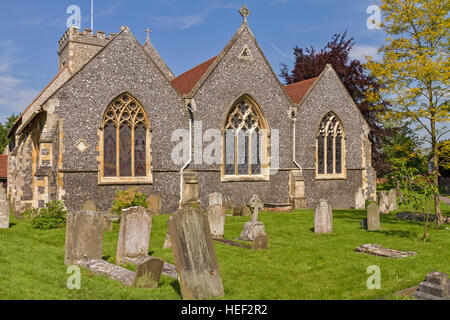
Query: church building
pixel 106 122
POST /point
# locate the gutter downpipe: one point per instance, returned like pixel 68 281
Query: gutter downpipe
pixel 294 121
pixel 191 120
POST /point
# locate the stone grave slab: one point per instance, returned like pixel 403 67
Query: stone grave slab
pixel 378 250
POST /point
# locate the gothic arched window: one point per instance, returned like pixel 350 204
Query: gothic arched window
pixel 125 142
pixel 330 148
pixel 245 140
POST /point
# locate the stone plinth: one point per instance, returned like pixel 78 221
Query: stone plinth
pixel 251 230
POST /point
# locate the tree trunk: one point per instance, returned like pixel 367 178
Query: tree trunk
pixel 435 158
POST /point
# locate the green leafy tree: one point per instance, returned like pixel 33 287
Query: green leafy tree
pixel 4 128
pixel 415 70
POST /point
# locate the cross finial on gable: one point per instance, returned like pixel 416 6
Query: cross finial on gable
pixel 244 13
pixel 148 31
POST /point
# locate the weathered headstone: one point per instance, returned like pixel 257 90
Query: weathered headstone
pixel 148 273
pixel 2 193
pixel 373 217
pixel 392 200
pixel 154 203
pixel 167 242
pixel 216 218
pixel 134 233
pixel 253 227
pixel 84 236
pixel 383 202
pixel 4 214
pixel 107 221
pixel 360 200
pixel 194 254
pixel 323 218
pixel 215 199
pixel 260 242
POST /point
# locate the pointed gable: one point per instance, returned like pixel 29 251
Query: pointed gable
pixel 186 81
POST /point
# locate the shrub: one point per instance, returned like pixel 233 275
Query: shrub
pixel 30 213
pixel 127 199
pixel 52 216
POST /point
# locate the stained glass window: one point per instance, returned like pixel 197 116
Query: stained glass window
pixel 124 119
pixel 244 126
pixel 139 151
pixel 109 160
pixel 330 146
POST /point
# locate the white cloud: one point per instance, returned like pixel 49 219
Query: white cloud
pixel 15 94
pixel 360 52
pixel 180 22
pixel 279 50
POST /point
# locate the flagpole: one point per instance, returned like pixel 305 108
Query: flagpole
pixel 92 15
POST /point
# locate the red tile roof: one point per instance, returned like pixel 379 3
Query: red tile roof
pixel 3 166
pixel 186 81
pixel 297 91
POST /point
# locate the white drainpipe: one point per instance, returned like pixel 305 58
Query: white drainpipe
pixel 191 115
pixel 294 121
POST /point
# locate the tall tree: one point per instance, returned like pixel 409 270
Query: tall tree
pixel 4 128
pixel 415 69
pixel 310 63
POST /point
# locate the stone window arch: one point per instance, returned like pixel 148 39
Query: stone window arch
pixel 330 148
pixel 125 142
pixel 245 148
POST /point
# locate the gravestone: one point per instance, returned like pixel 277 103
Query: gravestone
pixel 154 203
pixel 260 242
pixel 215 199
pixel 253 227
pixel 194 255
pixel 373 217
pixel 134 234
pixel 360 200
pixel 216 218
pixel 323 218
pixel 4 214
pixel 167 243
pixel 383 202
pixel 392 200
pixel 107 221
pixel 84 236
pixel 2 193
pixel 148 273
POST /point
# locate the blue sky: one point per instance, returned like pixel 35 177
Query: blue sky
pixel 185 33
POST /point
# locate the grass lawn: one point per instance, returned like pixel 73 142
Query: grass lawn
pixel 298 264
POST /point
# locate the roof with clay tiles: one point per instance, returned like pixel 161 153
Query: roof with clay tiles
pixel 3 166
pixel 186 81
pixel 298 90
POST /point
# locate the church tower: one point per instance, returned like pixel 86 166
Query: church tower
pixel 76 47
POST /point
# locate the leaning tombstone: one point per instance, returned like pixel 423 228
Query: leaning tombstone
pixel 260 242
pixel 383 202
pixel 134 234
pixel 194 255
pixel 238 211
pixel 84 236
pixel 216 218
pixel 323 218
pixel 154 203
pixel 373 217
pixel 392 200
pixel 148 273
pixel 253 227
pixel 215 199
